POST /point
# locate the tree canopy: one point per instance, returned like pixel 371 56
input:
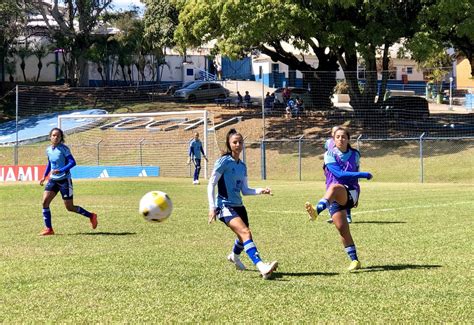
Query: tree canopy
pixel 334 31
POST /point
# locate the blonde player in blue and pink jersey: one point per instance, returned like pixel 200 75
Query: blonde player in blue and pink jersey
pixel 60 162
pixel 341 168
pixel 230 176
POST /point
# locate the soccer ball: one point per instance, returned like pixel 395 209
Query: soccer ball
pixel 155 206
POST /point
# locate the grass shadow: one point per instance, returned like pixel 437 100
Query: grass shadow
pixel 280 275
pixel 379 222
pixel 397 267
pixel 105 233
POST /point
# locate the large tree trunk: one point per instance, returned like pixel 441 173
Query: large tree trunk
pixel 83 69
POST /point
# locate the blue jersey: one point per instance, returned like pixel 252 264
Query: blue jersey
pixel 195 149
pixel 58 157
pixel 229 186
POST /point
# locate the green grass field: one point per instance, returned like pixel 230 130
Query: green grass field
pixel 414 240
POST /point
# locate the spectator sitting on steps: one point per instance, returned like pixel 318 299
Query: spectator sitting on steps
pixel 239 100
pixel 247 100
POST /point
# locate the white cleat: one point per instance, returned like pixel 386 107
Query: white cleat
pixel 236 261
pixel 266 269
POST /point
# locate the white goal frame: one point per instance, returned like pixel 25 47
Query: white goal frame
pixel 142 115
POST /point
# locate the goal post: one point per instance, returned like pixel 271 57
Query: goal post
pixel 139 139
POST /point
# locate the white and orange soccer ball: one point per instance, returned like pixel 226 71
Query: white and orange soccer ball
pixel 156 206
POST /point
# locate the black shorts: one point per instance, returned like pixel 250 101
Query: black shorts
pixel 352 199
pixel 63 185
pixel 227 213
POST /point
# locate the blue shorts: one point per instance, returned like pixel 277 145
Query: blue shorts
pixel 62 185
pixel 227 213
pixel 352 199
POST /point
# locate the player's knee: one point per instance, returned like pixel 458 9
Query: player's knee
pixel 71 208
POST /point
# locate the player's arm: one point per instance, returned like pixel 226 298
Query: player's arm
pixel 71 162
pixel 211 195
pixel 253 191
pixel 203 153
pixel 337 171
pixel 190 154
pixel 46 172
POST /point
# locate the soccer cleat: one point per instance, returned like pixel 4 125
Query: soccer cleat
pixel 310 209
pixel 267 269
pixel 47 232
pixel 329 220
pixel 349 218
pixel 94 221
pixel 236 261
pixel 195 182
pixel 355 265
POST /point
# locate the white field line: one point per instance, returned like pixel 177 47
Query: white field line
pixel 425 206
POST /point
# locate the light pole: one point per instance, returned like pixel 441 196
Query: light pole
pixel 451 93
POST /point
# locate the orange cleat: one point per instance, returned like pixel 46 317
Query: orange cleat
pixel 94 221
pixel 47 232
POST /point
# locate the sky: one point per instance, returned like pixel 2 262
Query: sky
pixel 125 4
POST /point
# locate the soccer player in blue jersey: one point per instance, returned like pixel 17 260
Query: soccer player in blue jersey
pixel 330 145
pixel 60 162
pixel 195 151
pixel 230 176
pixel 341 168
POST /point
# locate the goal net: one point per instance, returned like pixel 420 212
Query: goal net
pixel 139 139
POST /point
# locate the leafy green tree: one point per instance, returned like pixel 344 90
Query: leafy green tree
pixel 11 23
pixel 40 51
pixel 337 31
pixel 75 21
pixel 445 24
pixel 160 22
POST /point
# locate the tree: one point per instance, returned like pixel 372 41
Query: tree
pixel 11 22
pixel 446 24
pixel 75 23
pixel 160 22
pixel 335 31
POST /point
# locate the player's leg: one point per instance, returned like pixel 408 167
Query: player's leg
pixel 197 170
pixel 336 192
pixel 338 213
pixel 238 223
pixel 67 192
pixel 48 196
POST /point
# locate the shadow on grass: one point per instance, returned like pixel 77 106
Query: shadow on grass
pixel 397 267
pixel 281 275
pixel 105 233
pixel 379 222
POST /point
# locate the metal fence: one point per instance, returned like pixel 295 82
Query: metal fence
pixel 422 159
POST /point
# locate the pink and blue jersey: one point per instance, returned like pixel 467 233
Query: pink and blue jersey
pixel 343 168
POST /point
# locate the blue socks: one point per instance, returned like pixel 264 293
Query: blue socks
pixel 84 212
pixel 322 205
pixel 238 247
pixel 352 252
pixel 252 251
pixel 47 217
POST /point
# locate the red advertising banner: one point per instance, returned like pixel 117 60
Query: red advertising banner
pixel 21 173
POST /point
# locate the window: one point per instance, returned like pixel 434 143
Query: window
pixel 190 72
pixel 215 86
pixel 409 70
